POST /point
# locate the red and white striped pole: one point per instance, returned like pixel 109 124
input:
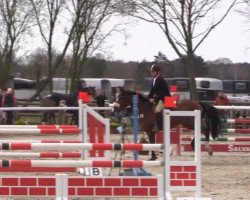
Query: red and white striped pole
pixel 79 163
pixel 80 146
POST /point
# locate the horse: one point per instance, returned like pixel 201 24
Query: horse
pixel 56 99
pixel 210 119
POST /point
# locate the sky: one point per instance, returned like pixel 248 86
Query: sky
pixel 231 39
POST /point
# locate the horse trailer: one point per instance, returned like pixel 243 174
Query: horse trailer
pixel 99 84
pixel 236 88
pixel 61 85
pixel 207 88
pixel 24 88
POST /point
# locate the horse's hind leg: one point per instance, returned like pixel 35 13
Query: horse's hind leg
pixel 207 146
pixel 151 137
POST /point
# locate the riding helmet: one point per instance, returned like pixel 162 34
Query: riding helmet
pixel 155 68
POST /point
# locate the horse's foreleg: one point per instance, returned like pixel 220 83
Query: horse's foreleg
pixel 207 146
pixel 151 137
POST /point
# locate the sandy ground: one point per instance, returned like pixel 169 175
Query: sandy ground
pixel 225 176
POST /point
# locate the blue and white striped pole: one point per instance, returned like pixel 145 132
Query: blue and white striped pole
pixel 135 129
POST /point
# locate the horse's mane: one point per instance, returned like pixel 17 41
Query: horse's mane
pixel 141 96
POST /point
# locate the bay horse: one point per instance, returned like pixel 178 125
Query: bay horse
pixel 209 115
pixel 69 100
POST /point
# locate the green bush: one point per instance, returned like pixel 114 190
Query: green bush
pixel 19 122
pixel 114 125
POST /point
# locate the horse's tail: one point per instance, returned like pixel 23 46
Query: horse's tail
pixel 213 116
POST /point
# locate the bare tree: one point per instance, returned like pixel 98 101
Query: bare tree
pixel 48 15
pixel 81 21
pixel 185 23
pixel 91 16
pixel 15 23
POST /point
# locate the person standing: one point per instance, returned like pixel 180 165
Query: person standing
pixel 118 91
pixel 222 100
pixel 9 101
pixel 100 101
pixel 159 89
pixel 2 114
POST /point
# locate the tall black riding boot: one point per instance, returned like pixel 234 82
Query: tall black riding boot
pixel 159 121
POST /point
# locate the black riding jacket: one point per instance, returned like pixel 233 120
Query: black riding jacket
pixel 159 90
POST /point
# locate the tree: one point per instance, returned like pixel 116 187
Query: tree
pixel 48 15
pixel 142 71
pixel 95 67
pixel 38 62
pixel 181 20
pixel 89 35
pixel 161 58
pixel 15 23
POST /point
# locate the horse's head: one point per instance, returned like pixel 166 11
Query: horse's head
pixel 125 100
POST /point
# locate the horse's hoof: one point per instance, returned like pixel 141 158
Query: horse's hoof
pixel 210 153
pixel 152 158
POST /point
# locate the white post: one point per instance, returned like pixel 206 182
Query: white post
pixel 61 187
pixel 85 129
pixel 167 159
pixel 197 128
pixel 80 114
pixel 160 188
pixel 80 118
pixel 166 142
pixel 107 130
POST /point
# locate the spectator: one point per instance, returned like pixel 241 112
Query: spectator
pixel 222 100
pixel 100 101
pixel 2 114
pixel 122 113
pixel 118 91
pixel 8 100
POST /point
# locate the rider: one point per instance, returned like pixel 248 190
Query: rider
pixel 159 89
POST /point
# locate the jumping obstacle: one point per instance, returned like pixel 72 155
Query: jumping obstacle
pixel 95 127
pixel 237 121
pixel 223 139
pixel 237 130
pixel 190 181
pixel 91 122
pixel 219 147
pixel 245 121
pixel 80 146
pixel 195 165
pixel 92 127
pixel 41 155
pixel 174 139
pixel 63 186
pixel 178 175
pixel 79 163
pixel 40 141
pixel 38 126
pixel 239 148
pixel 41 131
